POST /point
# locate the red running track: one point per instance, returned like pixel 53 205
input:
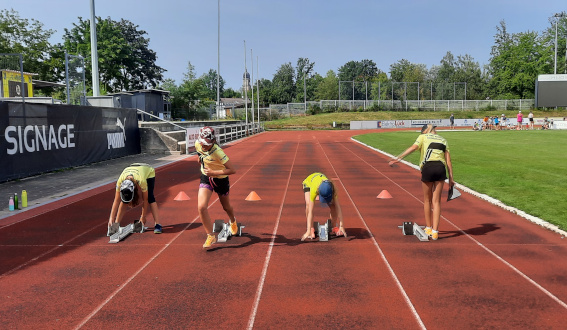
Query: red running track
pixel 489 269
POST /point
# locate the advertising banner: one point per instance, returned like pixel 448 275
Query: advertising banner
pixel 39 138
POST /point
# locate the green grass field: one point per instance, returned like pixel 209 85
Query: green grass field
pixel 523 169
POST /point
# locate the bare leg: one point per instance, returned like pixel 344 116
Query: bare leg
pixel 225 202
pixel 120 213
pixel 436 203
pixel 427 188
pixel 204 197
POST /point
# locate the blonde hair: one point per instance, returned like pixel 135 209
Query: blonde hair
pixel 429 129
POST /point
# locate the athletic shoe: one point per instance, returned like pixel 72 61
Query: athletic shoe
pixel 211 239
pixel 233 228
pixel 434 235
pixel 428 231
pixel 157 229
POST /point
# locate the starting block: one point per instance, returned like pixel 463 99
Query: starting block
pixel 223 228
pixel 323 230
pixel 121 233
pixel 410 228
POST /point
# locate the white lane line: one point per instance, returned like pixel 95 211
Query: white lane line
pixel 45 253
pixel 113 294
pixel 252 317
pixel 494 254
pixel 392 273
pixel 487 198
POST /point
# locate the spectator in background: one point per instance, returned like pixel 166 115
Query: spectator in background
pixel 496 123
pixel 531 120
pixel 485 122
pixel 503 121
pixel 545 124
pixel 520 119
pixel 452 120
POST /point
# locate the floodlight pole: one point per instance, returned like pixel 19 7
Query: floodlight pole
pixel 252 86
pixel 94 53
pixel 258 89
pixel 304 93
pixel 245 88
pixel 218 61
pixel 558 16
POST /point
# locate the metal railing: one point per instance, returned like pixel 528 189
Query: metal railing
pixel 294 109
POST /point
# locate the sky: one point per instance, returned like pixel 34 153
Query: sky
pixel 329 33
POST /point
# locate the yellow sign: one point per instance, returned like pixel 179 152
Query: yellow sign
pixel 12 84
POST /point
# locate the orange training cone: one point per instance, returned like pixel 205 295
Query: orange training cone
pixel 182 196
pixel 384 194
pixel 253 197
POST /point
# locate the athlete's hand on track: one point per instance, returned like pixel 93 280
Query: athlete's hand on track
pixel 307 235
pixel 341 232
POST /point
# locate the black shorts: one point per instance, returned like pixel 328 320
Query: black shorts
pixel 151 183
pixel 532 120
pixel 220 186
pixel 433 171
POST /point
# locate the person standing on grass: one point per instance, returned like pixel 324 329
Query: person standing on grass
pixel 520 119
pixel 435 162
pixel 318 184
pixel 531 120
pixel 215 169
pixel 452 120
pixel 136 182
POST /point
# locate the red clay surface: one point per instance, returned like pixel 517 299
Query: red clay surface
pixel 489 269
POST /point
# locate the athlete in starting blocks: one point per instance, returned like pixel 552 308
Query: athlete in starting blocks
pixel 318 184
pixel 134 186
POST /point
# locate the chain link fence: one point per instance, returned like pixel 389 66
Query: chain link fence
pixel 75 76
pixel 275 111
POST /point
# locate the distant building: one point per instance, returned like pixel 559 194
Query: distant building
pixel 153 101
pixel 246 82
pixel 229 105
pixel 11 84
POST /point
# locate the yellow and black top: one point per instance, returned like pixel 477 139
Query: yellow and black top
pixel 141 172
pixel 313 181
pixel 432 148
pixel 214 159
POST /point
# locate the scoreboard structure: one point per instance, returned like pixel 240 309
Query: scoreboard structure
pixel 551 90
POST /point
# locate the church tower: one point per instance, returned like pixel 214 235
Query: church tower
pixel 246 81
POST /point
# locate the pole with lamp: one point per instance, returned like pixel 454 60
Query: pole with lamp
pixel 558 18
pixel 218 61
pixel 304 93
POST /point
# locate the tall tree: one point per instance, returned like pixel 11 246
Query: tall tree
pixel 283 84
pixel 357 74
pixel 303 72
pixel 125 60
pixel 516 61
pixel 29 38
pixel 210 80
pixel 328 88
pixel 406 78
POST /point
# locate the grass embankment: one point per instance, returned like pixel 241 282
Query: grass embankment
pixel 325 120
pixel 523 169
